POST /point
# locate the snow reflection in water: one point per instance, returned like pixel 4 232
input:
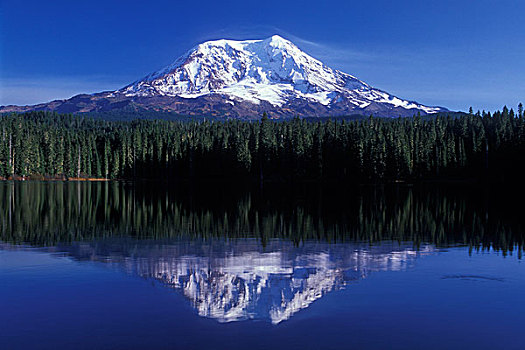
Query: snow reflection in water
pixel 240 280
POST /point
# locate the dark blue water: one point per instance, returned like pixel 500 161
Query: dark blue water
pixel 106 282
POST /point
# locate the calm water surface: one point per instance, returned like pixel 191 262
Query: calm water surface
pixel 128 266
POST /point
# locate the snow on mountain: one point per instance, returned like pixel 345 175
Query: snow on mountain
pixel 272 70
pixel 244 79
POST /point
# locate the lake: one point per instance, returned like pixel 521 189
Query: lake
pixel 123 265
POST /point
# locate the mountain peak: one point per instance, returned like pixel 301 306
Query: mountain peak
pixel 245 78
pixel 277 38
pixel 272 70
pixel 274 41
pixel 278 41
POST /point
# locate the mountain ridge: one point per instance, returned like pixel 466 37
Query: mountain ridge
pixel 231 78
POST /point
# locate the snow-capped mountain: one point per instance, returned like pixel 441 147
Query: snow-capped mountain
pixel 273 70
pixel 245 79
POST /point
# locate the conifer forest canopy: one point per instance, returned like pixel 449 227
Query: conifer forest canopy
pixel 470 146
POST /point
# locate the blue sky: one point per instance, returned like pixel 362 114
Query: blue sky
pixel 449 53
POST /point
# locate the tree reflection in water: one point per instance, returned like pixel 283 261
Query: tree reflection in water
pixel 46 213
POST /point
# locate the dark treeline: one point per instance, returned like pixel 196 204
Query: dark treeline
pixel 474 145
pixel 48 213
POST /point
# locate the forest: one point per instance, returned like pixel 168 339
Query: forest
pixel 482 145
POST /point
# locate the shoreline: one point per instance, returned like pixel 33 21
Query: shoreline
pixel 467 181
pixel 43 178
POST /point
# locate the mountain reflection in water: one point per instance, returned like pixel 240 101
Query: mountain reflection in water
pixel 253 254
pixel 77 261
pixel 240 280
